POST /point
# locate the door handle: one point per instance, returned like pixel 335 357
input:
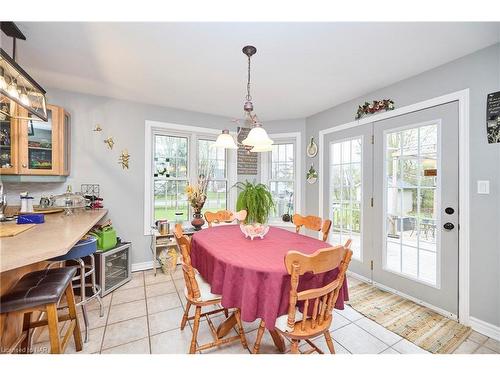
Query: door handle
pixel 448 226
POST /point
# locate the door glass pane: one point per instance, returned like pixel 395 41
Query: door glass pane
pixel 346 193
pixel 411 192
pixel 5 141
pixel 40 143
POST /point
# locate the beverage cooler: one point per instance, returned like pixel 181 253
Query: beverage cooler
pixel 113 267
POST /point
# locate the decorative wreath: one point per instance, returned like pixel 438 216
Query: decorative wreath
pixel 376 106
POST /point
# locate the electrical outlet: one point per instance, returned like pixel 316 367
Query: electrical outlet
pixel 483 187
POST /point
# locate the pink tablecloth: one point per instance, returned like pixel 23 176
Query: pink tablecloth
pixel 251 275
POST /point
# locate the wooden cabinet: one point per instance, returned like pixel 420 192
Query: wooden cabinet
pixel 43 148
pixel 9 145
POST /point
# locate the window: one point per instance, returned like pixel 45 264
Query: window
pixel 411 202
pixel 175 156
pixel 213 161
pixel 170 176
pixel 282 179
pixel 345 192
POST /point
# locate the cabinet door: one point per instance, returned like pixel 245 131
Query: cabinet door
pixel 40 145
pixel 65 139
pixel 8 145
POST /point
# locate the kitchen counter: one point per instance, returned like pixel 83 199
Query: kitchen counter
pixel 53 238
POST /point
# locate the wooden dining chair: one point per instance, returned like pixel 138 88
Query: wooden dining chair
pixel 224 216
pixel 313 223
pixel 198 293
pixel 317 304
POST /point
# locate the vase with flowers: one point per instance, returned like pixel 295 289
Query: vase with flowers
pixel 197 195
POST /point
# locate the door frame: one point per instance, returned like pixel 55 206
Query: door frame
pixel 462 97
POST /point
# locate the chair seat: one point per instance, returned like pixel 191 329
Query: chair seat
pixel 37 288
pixel 281 322
pixel 82 249
pixel 205 293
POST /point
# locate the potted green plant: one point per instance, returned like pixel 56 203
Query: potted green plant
pixel 257 200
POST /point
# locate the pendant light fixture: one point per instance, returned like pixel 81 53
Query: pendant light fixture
pixel 257 139
pixel 17 88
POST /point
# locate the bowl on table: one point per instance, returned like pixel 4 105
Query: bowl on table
pixel 254 230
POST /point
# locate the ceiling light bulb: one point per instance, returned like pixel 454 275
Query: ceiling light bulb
pixel 257 137
pixel 12 91
pixel 3 83
pixel 24 99
pixel 225 141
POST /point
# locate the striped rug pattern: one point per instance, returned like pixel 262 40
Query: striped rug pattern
pixel 420 325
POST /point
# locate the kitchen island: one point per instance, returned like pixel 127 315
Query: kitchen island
pixel 29 250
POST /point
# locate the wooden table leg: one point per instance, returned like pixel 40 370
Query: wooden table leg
pixel 278 340
pixel 226 325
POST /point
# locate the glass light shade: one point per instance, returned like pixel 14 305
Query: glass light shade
pixel 262 148
pixel 257 137
pixel 225 140
pixel 18 81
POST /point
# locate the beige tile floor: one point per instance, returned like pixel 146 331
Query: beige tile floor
pixel 143 316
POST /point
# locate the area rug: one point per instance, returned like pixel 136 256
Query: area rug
pixel 420 325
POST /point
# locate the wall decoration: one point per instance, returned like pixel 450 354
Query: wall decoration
pixel 312 148
pixel 110 142
pixel 98 128
pixel 247 161
pixel 312 175
pixel 493 117
pixel 376 106
pixel 124 159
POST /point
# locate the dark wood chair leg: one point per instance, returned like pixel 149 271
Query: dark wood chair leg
pixel 77 335
pixel 226 313
pixel 185 316
pixel 196 326
pixel 260 333
pixel 52 320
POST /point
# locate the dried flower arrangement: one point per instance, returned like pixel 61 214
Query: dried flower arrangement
pixel 376 106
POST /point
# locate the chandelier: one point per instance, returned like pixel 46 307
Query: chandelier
pixel 17 88
pixel 257 139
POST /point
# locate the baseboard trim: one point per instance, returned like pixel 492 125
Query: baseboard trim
pixel 394 291
pixel 485 328
pixel 142 266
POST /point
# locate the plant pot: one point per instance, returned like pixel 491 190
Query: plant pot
pixel 197 221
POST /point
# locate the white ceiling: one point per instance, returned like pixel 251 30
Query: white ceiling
pixel 299 69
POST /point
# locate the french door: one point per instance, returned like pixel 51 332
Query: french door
pixel 406 236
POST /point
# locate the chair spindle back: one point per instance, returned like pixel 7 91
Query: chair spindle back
pixel 184 243
pixel 313 223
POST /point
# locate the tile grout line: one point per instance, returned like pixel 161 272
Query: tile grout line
pixel 106 325
pixel 147 311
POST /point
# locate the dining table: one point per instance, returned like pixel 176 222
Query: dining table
pixel 250 274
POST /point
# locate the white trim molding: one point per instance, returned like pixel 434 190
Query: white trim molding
pixel 464 178
pixel 485 328
pixel 149 129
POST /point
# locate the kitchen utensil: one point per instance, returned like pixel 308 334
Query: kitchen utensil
pixel 163 226
pixel 11 230
pixel 26 204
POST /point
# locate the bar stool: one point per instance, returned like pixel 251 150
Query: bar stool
pixel 43 291
pixel 83 249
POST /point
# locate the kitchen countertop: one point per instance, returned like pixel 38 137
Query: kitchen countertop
pixel 53 238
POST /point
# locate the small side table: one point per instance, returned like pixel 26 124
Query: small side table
pixel 165 241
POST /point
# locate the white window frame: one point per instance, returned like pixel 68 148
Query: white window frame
pixel 193 133
pixel 265 169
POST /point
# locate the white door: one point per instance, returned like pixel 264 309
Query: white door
pixel 415 212
pixel 348 188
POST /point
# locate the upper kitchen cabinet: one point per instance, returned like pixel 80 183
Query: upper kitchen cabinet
pixel 9 144
pixel 44 147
